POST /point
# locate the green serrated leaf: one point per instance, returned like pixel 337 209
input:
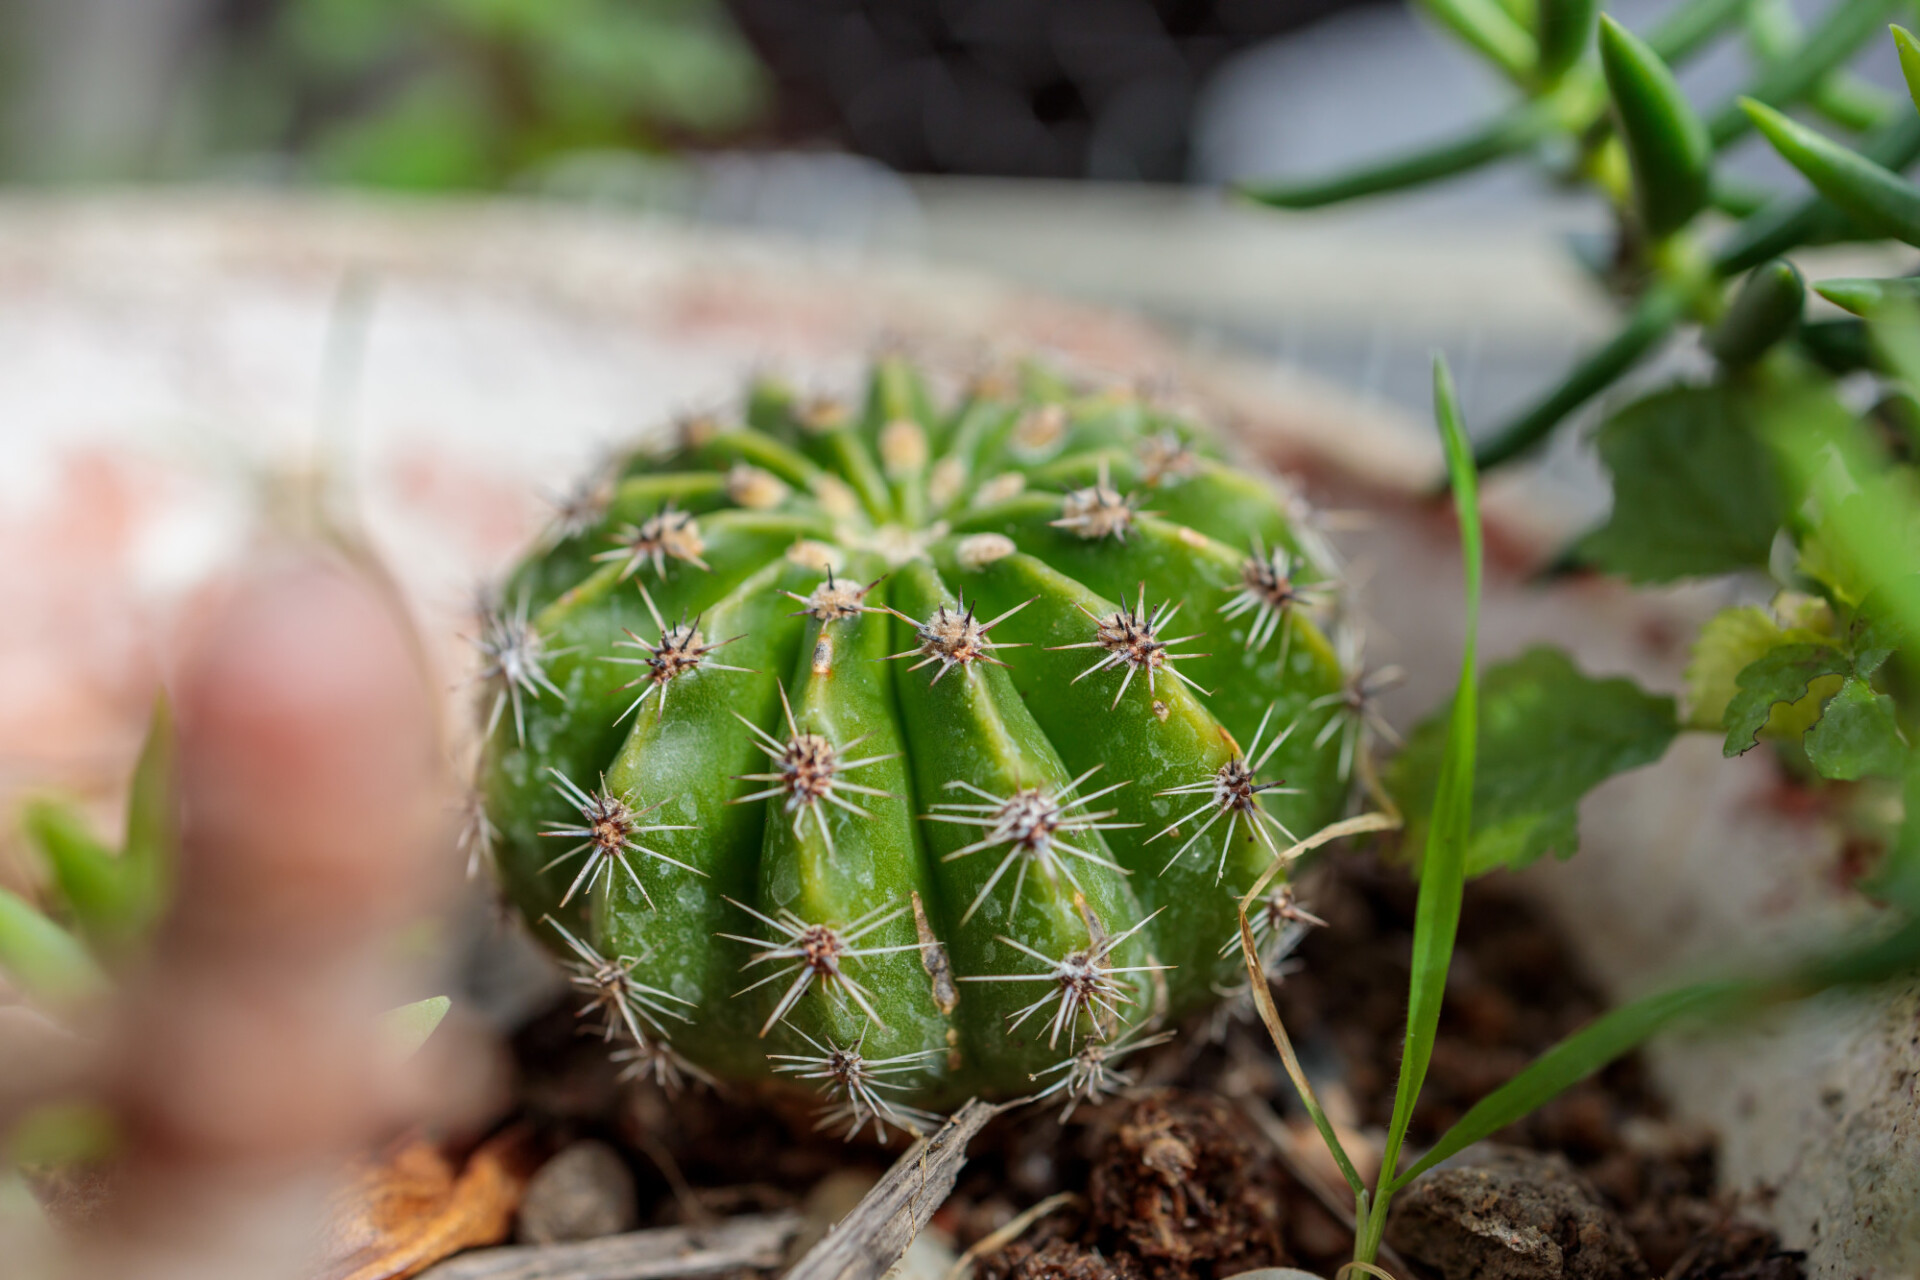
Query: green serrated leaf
pixel 1883 624
pixel 1548 735
pixel 1730 642
pixel 1694 491
pixel 1856 736
pixel 1888 504
pixel 1794 679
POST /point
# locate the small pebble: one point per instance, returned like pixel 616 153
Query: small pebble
pixel 1501 1213
pixel 583 1193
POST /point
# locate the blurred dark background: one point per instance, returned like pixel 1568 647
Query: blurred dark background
pixel 482 94
pixel 1101 89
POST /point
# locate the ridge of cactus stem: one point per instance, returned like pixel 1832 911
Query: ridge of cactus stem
pixel 624 1003
pixel 887 811
pixel 1093 1073
pixel 514 657
pixel 1130 638
pixel 852 1084
pixel 1029 823
pixel 1233 792
pixel 607 831
pixel 680 650
pixel 1085 981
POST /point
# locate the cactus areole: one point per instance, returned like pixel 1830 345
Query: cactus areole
pixel 911 753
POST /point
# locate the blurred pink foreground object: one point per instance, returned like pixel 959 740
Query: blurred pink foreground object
pixel 243 1063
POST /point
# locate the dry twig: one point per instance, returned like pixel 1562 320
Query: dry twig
pixel 750 1242
pixel 869 1241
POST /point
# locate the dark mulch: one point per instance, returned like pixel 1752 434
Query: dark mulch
pixel 1174 1182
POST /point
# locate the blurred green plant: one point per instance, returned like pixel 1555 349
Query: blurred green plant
pixel 1493 777
pixel 1598 107
pixel 1767 466
pixel 1713 475
pixel 102 907
pixel 449 94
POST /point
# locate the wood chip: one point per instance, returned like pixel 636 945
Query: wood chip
pixel 869 1241
pixel 756 1242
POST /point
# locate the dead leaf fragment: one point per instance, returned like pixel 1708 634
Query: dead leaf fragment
pixel 402 1211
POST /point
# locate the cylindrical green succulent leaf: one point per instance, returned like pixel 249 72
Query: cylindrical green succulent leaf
pixel 915 752
pixel 1842 29
pixel 1564 29
pixel 1909 61
pixel 1877 197
pixel 1652 319
pixel 1839 346
pixel 1689 26
pixel 1864 296
pixel 1489 29
pixel 1765 309
pixel 1667 145
pixel 1507 134
pixel 1791 221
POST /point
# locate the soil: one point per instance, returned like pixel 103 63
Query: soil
pixel 1174 1181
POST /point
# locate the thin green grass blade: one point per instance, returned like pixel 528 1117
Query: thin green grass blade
pixel 1443 866
pixel 150 802
pixel 1572 1060
pixel 1613 1035
pixel 1263 998
pixel 1877 197
pixel 1505 135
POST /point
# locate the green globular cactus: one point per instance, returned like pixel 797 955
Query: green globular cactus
pixel 913 754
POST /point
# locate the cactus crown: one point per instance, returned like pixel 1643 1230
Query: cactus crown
pixel 972 817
